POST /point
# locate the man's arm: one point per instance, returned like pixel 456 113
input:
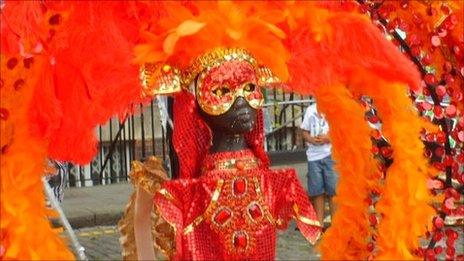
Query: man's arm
pixel 323 139
pixel 310 139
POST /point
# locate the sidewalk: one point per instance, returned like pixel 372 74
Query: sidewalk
pixel 104 205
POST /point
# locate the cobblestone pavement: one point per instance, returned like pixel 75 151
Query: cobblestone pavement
pixel 101 243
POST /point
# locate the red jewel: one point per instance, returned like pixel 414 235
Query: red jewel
pixel 439 151
pixel 440 137
pixel 449 79
pixel 239 186
pixel 437 236
pixel 376 134
pixel 426 106
pixel 386 152
pixel 430 137
pixel 451 111
pixel 457 95
pixel 461 138
pixel 255 211
pixel 435 41
pixel 425 91
pixel 415 51
pixel 440 90
pixel 447 66
pixel 450 251
pixel 438 112
pixel 429 254
pixel 438 222
pixel 451 234
pixel 442 32
pixel 427 59
pixel 373 219
pixel 240 239
pixel 457 50
pixel 370 247
pixel 453 19
pixel 430 79
pixel 222 216
pixel 374 119
pixel 240 165
pixel 404 26
pixel 438 250
pixel 4 114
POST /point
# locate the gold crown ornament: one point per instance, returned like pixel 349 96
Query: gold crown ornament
pixel 161 78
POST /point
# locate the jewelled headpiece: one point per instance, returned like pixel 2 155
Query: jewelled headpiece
pixel 163 78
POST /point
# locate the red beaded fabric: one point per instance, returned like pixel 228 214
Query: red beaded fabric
pixel 228 205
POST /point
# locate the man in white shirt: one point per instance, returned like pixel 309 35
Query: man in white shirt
pixel 322 180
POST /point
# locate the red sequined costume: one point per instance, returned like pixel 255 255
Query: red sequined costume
pixel 228 205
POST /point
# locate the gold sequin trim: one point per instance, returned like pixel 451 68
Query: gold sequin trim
pixel 159 79
pixel 213 202
pixel 231 164
pixel 166 194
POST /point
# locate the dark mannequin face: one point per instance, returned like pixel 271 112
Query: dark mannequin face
pixel 239 119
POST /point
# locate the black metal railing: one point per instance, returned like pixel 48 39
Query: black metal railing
pixel 148 133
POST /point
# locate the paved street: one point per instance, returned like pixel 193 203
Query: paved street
pixel 101 243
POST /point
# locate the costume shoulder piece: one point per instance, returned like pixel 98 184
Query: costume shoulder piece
pixel 148 175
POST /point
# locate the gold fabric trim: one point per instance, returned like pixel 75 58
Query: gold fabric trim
pixel 307 221
pixel 197 221
pixel 149 175
pixel 304 219
pixel 264 206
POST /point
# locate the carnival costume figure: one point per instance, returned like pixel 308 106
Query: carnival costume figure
pixel 227 203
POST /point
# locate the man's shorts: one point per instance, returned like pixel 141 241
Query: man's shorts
pixel 321 177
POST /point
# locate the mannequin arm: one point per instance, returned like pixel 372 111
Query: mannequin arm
pixel 143 225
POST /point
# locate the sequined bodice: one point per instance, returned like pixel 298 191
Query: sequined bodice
pixel 238 209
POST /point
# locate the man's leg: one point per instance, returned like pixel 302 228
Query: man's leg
pixel 316 188
pixel 318 203
pixel 330 184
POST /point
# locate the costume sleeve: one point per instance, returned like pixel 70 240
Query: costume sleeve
pixel 148 175
pixel 292 202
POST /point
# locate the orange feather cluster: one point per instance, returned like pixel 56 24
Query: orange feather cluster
pixel 189 29
pixel 65 69
pixel 25 231
pixel 349 232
